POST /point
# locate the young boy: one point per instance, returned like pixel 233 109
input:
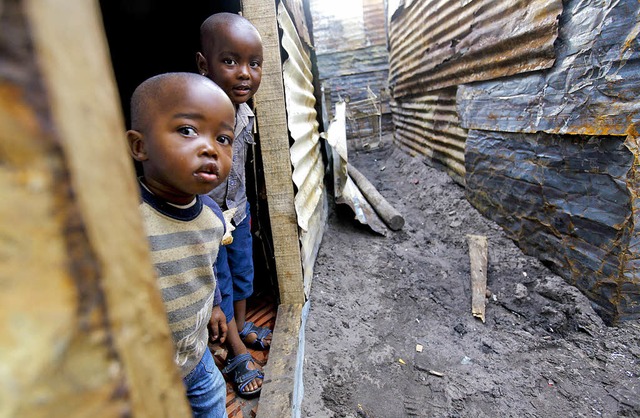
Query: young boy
pixel 231 56
pixel 182 134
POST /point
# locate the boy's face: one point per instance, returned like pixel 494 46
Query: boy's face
pixel 186 143
pixel 234 62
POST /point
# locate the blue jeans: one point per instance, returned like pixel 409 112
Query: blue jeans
pixel 234 267
pixel 206 389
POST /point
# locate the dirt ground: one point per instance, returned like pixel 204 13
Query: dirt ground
pixel 542 352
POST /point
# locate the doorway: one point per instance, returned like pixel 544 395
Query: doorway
pixel 149 37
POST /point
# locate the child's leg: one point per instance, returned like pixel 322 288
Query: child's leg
pixel 237 348
pixel 233 343
pixel 240 309
pixel 240 257
pixel 206 389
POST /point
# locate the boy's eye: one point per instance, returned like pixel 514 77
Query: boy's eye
pixel 256 64
pixel 228 61
pixel 188 131
pixel 224 140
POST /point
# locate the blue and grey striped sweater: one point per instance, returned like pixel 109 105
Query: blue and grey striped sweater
pixel 184 244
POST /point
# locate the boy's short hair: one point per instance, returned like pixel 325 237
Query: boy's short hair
pixel 152 92
pixel 220 21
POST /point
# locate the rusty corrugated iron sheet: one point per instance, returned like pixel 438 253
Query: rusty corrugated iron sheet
pixel 630 268
pixel 440 43
pixel 374 14
pixel 429 125
pixel 355 62
pixel 592 89
pixel 296 11
pixel 306 158
pixel 355 86
pixel 569 200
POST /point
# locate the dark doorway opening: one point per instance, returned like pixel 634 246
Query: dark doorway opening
pixel 149 37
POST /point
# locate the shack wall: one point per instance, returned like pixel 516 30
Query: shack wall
pixel 546 113
pixel 351 52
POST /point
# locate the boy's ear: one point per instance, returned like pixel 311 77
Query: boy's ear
pixel 137 147
pixel 201 62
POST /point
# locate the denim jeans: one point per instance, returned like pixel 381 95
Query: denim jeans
pixel 234 267
pixel 206 389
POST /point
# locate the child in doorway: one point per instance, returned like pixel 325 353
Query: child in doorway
pixel 231 56
pixel 182 134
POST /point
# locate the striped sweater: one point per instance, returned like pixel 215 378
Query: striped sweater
pixel 184 243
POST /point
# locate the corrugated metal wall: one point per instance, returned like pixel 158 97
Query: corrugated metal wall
pixel 439 44
pixel 429 125
pixel 306 155
pixel 351 50
pixel 543 101
pixel 442 43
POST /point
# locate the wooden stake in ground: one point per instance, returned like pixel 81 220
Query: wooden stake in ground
pixel 478 256
pixel 388 213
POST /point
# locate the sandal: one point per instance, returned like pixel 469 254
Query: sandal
pixel 242 375
pixel 261 334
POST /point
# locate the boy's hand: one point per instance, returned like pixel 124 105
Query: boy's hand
pixel 217 325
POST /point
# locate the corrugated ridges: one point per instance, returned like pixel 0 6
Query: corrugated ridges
pixel 306 155
pixel 429 125
pixel 437 44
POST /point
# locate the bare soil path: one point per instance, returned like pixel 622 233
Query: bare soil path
pixel 542 352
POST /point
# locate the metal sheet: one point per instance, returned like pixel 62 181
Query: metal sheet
pixel 355 86
pixel 340 25
pixel 296 11
pixel 429 125
pixel 351 50
pixel 306 157
pixel 360 61
pixel 567 200
pixel 440 43
pixel 592 89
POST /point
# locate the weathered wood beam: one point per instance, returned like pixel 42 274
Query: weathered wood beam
pixel 82 326
pixel 387 212
pixel 478 257
pixel 274 142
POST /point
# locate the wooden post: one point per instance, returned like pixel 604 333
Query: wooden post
pixel 274 143
pixel 478 256
pixel 83 331
pixel 388 213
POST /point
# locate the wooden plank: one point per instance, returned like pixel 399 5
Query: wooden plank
pixel 274 141
pixel 276 397
pixel 387 212
pixel 82 326
pixel 478 256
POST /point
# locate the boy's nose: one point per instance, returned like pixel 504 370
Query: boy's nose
pixel 209 148
pixel 244 71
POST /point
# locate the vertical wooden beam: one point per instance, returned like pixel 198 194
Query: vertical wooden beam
pixel 274 142
pixel 83 331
